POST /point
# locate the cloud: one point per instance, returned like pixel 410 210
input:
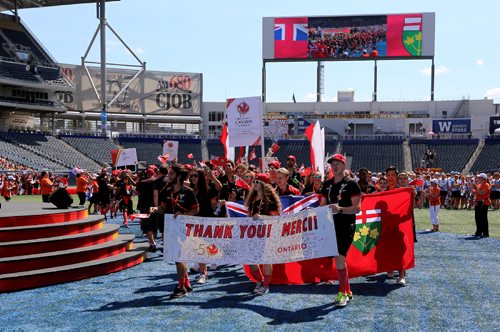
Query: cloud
pixel 438 70
pixel 139 50
pixel 311 96
pixel 493 93
pixel 479 62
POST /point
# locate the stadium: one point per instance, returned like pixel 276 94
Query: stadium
pixel 61 118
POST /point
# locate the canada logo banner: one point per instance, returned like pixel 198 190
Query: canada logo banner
pixel 383 241
pixel 244 121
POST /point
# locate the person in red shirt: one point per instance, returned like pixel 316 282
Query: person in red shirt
pixel 47 186
pixel 81 187
pixel 8 186
pixel 434 196
pixel 282 186
pixel 481 204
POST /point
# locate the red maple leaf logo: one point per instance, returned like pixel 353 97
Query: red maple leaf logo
pixel 243 107
pixel 212 250
pixel 170 144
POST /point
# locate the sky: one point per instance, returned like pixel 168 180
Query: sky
pixel 223 41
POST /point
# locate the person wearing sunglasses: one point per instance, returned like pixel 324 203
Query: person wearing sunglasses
pixel 313 184
pixel 262 201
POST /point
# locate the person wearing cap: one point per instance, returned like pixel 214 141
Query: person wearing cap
pixel 145 191
pixel 262 201
pixel 294 177
pixel 434 195
pixel 273 167
pixel 343 195
pixel 282 185
pixel 481 204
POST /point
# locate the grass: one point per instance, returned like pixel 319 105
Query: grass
pixel 451 221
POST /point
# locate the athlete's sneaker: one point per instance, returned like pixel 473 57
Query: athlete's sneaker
pixel 189 289
pixel 202 278
pixel 258 285
pixel 341 300
pixel 178 292
pixel 262 290
pixel 349 295
pixel 401 281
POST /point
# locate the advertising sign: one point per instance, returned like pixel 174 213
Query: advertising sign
pixel 451 126
pixel 349 37
pixel 494 124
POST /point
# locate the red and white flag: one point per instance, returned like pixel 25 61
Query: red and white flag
pixel 163 159
pixel 274 148
pixel 252 155
pixel 190 156
pixel 241 183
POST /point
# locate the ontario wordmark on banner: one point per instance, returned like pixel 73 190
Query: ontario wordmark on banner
pixel 271 240
pixel 244 121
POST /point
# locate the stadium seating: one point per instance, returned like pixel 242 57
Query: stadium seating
pixel 20 37
pixel 148 149
pixel 95 147
pixel 17 71
pixel 489 158
pixel 25 157
pixel 375 155
pixel 451 154
pixel 51 147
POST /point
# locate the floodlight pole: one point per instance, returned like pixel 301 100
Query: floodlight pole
pixel 432 80
pixel 101 12
pixel 319 80
pixel 374 98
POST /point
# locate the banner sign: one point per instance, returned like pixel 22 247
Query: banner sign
pixel 276 128
pixel 365 37
pixel 171 148
pixel 494 124
pixel 152 92
pixel 244 121
pixel 271 240
pixel 451 126
pixel 124 157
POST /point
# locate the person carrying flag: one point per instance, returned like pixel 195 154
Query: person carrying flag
pixel 343 195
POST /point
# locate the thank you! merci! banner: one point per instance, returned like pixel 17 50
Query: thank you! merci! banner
pixel 271 240
pixel 244 121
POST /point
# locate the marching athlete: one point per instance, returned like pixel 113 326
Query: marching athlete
pixel 262 201
pixel 343 195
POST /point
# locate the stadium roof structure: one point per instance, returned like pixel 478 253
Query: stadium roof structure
pixel 24 4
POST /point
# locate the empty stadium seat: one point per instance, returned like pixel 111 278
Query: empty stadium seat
pixel 97 148
pixel 375 155
pixel 489 158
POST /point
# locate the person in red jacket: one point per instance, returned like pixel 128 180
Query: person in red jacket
pixel 434 196
pixel 282 186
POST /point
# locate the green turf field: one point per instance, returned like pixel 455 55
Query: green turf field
pixel 451 221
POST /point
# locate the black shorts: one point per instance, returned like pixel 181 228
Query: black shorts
pixel 443 193
pixel 345 233
pixel 104 199
pixel 153 224
pixel 495 194
pixel 456 194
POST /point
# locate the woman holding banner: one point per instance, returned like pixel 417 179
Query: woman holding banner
pixel 262 200
pixel 343 195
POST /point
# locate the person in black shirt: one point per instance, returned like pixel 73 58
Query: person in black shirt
pixel 124 190
pixel 294 178
pixel 179 200
pixel 228 191
pixel 364 184
pixel 262 200
pixel 343 195
pixel 145 188
pixel 104 192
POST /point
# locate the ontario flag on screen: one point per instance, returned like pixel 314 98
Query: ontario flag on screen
pixel 404 35
pixel 290 38
pixel 383 241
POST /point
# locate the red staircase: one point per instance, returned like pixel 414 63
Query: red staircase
pixel 42 246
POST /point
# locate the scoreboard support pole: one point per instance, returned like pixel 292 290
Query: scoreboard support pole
pixel 263 81
pixel 432 80
pixel 374 97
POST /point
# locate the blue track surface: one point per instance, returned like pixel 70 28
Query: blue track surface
pixel 453 286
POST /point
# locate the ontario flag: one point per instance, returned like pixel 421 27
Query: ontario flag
pixel 291 38
pixel 383 241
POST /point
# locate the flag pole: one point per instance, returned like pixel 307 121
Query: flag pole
pixel 262 144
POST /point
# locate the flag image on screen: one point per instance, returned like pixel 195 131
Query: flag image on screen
pixel 290 37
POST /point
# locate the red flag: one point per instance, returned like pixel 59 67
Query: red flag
pixel 223 139
pixel 252 155
pixel 219 161
pixel 163 159
pixel 309 135
pixel 190 156
pixel 240 154
pixel 114 156
pixel 275 147
pixel 305 171
pixel 417 182
pixel 383 242
pixel 241 183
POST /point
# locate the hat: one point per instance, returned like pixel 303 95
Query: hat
pixel 336 156
pixel 274 163
pixel 435 181
pixel 150 171
pixel 483 175
pixel 10 177
pixel 263 177
pixel 153 167
pixel 291 157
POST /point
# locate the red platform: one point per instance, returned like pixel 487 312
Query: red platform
pixel 41 245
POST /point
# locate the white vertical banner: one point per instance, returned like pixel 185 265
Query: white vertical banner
pixel 126 157
pixel 318 146
pixel 244 121
pixel 171 148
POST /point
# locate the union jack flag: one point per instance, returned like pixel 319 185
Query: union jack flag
pixel 290 37
pixel 289 204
